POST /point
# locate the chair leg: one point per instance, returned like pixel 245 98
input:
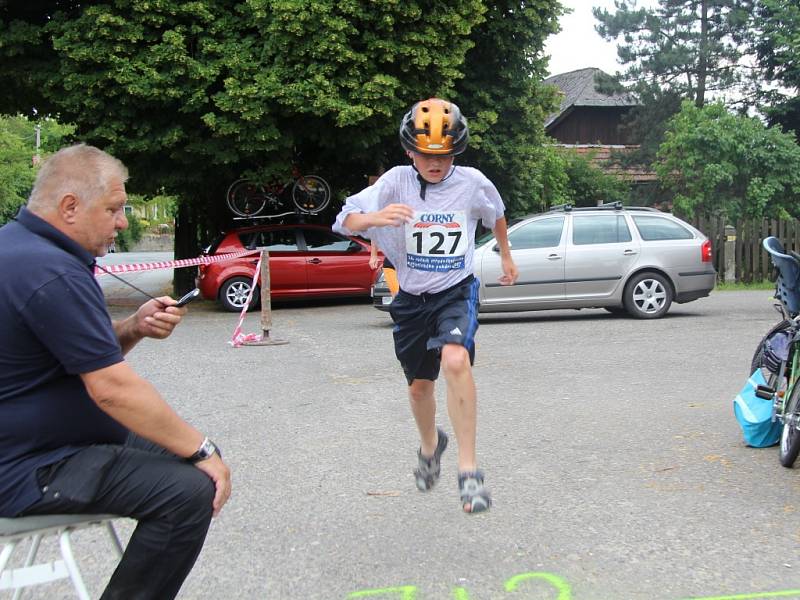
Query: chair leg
pixel 35 541
pixel 5 556
pixel 72 566
pixel 114 538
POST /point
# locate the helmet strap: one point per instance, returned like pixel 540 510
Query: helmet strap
pixel 424 183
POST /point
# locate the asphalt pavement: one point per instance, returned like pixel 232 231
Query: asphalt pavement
pixel 617 467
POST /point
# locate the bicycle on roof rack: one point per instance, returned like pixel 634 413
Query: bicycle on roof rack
pixel 778 352
pixel 247 198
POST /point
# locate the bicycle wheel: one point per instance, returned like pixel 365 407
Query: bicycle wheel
pixel 790 436
pixel 246 198
pixel 311 194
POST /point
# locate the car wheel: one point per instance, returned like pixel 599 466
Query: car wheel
pixel 648 296
pixel 233 294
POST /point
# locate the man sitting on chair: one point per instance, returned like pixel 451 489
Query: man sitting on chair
pixel 72 410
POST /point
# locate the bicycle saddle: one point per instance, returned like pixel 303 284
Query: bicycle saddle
pixel 788 283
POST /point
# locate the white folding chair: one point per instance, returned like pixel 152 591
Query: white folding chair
pixel 14 531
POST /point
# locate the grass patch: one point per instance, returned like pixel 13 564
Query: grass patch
pixel 755 285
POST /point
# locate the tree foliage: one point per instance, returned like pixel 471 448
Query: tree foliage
pixel 589 185
pixel 684 46
pixel 506 102
pixel 719 163
pixel 774 39
pixel 17 157
pixel 193 94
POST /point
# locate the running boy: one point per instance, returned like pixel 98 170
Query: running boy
pixel 424 217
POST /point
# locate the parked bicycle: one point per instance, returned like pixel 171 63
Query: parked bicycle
pixel 310 194
pixel 778 353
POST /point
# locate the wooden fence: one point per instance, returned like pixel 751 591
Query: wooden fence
pixel 751 262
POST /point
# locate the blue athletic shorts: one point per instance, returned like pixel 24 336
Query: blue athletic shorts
pixel 425 323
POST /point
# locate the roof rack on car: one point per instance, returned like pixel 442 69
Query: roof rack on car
pixel 291 217
pixel 606 206
pixel 616 205
pixel 645 208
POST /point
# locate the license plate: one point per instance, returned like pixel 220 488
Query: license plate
pixel 386 300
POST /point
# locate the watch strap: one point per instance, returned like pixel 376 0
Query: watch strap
pixel 206 450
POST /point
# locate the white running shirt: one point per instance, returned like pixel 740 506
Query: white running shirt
pixel 434 251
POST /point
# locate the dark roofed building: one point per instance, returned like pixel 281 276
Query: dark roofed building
pixel 588 122
pixel 587 116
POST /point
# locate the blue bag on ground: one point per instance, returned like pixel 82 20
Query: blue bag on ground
pixel 755 415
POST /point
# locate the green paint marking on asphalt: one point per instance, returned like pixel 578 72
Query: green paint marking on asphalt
pixel 407 592
pixel 561 586
pixel 757 596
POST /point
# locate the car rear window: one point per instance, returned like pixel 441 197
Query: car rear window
pixel 212 247
pixel 600 229
pixel 323 241
pixel 283 240
pixel 658 228
pixel 542 233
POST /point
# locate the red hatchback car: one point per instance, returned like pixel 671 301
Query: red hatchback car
pixel 305 261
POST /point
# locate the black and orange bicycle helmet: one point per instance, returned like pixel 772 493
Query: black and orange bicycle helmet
pixel 434 126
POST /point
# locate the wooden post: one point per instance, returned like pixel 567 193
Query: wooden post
pixel 266 307
pixel 729 250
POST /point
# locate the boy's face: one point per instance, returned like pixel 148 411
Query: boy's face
pixel 432 167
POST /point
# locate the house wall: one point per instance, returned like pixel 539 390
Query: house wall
pixel 591 125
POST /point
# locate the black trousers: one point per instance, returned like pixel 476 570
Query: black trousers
pixel 170 499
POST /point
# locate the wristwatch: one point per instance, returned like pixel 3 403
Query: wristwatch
pixel 206 450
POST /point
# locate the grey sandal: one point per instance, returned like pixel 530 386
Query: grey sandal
pixel 474 496
pixel 427 474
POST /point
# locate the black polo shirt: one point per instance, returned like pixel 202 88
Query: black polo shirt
pixel 53 326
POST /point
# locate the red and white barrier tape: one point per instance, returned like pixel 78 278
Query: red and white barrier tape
pixel 238 337
pixel 174 264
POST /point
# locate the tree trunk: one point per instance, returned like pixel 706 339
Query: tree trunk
pixel 702 63
pixel 185 247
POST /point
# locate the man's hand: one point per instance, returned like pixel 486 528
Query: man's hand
pixel 157 318
pixel 220 474
pixel 374 261
pixel 510 272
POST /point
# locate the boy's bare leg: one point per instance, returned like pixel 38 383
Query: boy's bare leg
pixel 461 402
pixel 423 407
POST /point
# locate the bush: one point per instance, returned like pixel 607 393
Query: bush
pixel 127 238
pixel 589 185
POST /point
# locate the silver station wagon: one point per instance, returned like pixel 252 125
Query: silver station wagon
pixel 624 259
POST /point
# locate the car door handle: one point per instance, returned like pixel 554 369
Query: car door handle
pixel 314 261
pixel 630 252
pixel 553 257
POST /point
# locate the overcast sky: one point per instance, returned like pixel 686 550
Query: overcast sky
pixel 578 45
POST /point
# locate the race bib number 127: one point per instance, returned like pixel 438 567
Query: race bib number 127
pixel 437 241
